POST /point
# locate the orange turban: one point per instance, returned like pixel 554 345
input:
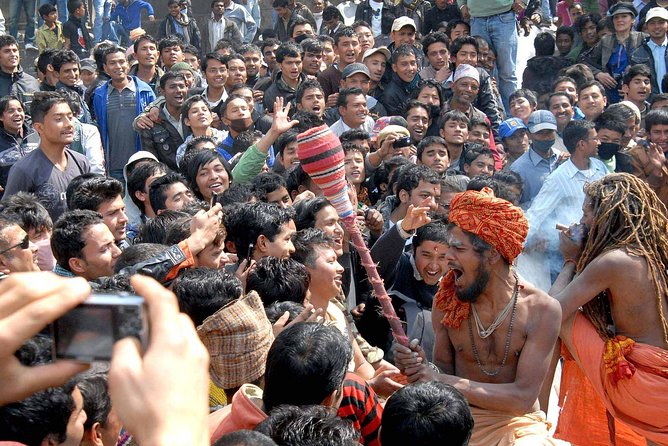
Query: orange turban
pixel 497 222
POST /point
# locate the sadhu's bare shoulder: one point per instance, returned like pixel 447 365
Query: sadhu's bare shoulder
pixel 537 301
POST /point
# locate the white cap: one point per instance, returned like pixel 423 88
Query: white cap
pixel 403 21
pixel 659 12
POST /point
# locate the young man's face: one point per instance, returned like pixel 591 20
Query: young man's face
pixel 455 132
pixel 458 31
pixel 237 109
pixel 69 74
pixel 280 197
pixel 564 43
pixel 592 102
pixel 429 96
pixel 192 60
pixel 113 214
pixel 174 10
pixel 567 87
pixel 177 196
pixel 406 67
pixel 467 54
pixel 51 18
pixel 659 104
pixel 99 255
pixel 236 71
pixel 216 73
pixel 13 117
pixel 430 261
pixel 328 54
pixel 327 220
pixel 253 63
pixel 589 34
pixel 562 110
pixel 355 111
pixel 517 143
pixel 479 134
pixel 365 37
pixel 436 158
pixel 425 194
pixel 405 36
pixel 171 55
pixel 75 424
pixel 289 157
pixel 658 134
pixel 312 62
pixel 376 63
pixel 326 273
pixel 291 67
pixel 590 145
pixel 269 55
pixel 218 9
pixel 638 89
pixel 58 125
pixel 87 77
pixel 116 66
pixel 348 49
pixel 9 58
pixel 357 80
pixel 80 11
pixel 438 55
pixel 303 29
pixel 418 122
pixel 212 178
pixel 281 247
pixel 313 101
pixel 521 108
pixel 482 165
pixel 354 165
pixel 657 28
pixel 147 53
pixel 17 259
pixel 175 92
pixel 282 12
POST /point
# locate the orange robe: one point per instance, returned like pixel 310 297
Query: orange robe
pixel 630 378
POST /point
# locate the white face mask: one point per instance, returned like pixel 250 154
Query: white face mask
pixel 45 259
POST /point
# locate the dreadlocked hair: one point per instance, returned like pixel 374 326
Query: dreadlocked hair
pixel 629 216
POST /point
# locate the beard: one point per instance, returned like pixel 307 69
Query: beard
pixel 473 291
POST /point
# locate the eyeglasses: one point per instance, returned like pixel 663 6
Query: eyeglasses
pixel 23 244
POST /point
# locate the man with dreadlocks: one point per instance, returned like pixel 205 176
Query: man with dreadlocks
pixel 494 332
pixel 612 291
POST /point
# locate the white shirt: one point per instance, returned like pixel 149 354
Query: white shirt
pixel 561 198
pixel 376 17
pixel 216 30
pixel 339 127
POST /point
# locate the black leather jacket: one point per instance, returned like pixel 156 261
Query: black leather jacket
pixel 365 12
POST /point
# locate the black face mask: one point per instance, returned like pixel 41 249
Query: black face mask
pixel 300 38
pixel 240 125
pixel 608 149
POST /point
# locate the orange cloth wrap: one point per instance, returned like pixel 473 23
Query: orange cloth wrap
pixel 497 222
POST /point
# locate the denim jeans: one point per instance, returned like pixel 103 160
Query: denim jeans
pixel 28 7
pixel 62 10
pixel 102 10
pixel 501 32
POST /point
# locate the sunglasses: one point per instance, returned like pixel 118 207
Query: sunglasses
pixel 23 244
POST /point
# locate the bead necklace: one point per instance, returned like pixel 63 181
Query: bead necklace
pixel 508 336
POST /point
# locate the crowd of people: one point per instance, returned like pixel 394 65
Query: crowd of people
pixel 516 219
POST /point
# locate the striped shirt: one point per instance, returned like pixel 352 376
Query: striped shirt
pixel 361 406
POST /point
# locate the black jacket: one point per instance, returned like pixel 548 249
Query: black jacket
pixel 162 140
pixel 435 16
pixel 13 148
pixel 365 12
pixel 396 95
pixel 20 84
pixel 643 54
pixel 541 71
pixel 280 88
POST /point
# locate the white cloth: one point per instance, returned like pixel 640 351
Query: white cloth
pixel 376 17
pixel 339 127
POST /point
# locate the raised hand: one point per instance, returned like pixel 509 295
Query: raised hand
pixel 28 302
pixel 416 217
pixel 281 122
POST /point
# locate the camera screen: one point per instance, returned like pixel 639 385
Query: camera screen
pixel 86 332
